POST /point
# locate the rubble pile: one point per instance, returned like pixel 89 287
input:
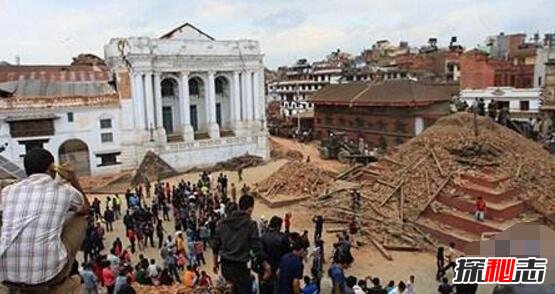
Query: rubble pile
pixel 297 179
pixel 278 151
pixel 237 163
pixel 396 190
pixel 152 168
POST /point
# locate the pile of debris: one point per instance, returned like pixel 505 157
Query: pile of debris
pixel 278 151
pixel 237 163
pixel 396 190
pixel 296 179
pixel 152 168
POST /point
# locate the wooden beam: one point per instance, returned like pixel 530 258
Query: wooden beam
pixel 347 171
pixel 392 193
pixel 401 247
pixel 441 186
pixel 427 176
pixel 441 172
pixel 402 205
pixel 380 248
pixel 389 159
pixel 386 183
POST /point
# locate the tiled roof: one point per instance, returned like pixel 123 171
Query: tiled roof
pixel 56 80
pixel 386 93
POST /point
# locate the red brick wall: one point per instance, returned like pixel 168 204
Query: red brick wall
pixel 377 125
pixel 476 72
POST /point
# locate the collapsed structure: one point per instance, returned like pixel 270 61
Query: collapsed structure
pixel 425 190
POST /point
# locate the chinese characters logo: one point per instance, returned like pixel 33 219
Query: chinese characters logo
pixel 500 270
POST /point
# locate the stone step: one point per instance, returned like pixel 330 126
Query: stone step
pixel 505 210
pixel 489 195
pixel 484 180
pixel 446 234
pixel 465 222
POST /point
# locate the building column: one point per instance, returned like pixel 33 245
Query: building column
pixel 244 117
pixel 236 102
pixel 262 99
pixel 159 120
pixel 185 109
pixel 250 114
pixel 213 128
pixel 158 101
pixel 149 105
pixel 256 99
pixel 138 101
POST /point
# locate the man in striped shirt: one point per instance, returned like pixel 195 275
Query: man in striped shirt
pixel 43 225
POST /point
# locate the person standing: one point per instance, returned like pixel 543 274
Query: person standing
pixel 337 275
pixel 275 245
pixel 492 109
pixel 108 278
pixel 235 239
pixel 318 221
pixel 440 263
pixel 410 289
pixel 240 174
pixel 291 270
pixel 160 233
pixel 90 281
pixel 233 193
pixel 287 221
pixel 109 218
pixel 43 224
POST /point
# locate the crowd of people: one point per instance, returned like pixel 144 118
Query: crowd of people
pixel 208 214
pixel 250 256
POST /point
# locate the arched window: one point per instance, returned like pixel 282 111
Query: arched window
pixel 168 88
pixel 221 85
pixel 194 86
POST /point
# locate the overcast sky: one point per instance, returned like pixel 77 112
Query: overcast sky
pixel 51 32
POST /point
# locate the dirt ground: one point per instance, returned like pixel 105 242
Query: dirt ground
pixel 368 260
pixel 310 149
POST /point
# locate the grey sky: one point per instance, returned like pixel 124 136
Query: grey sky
pixel 49 32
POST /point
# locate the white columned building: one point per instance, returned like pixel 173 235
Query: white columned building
pixel 195 100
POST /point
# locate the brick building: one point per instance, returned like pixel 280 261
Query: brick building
pixel 478 71
pixel 440 65
pixel 385 113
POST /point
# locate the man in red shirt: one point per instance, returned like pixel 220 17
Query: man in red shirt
pixel 479 214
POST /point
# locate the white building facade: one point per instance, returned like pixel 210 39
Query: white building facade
pixel 187 97
pixel 522 103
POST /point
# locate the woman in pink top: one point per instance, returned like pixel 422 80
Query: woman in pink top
pixel 108 278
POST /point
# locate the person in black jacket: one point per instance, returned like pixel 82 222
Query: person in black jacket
pixel 275 245
pixel 235 240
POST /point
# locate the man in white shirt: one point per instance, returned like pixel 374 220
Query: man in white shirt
pixel 44 223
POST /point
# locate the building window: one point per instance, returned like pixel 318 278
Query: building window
pixel 194 87
pixel 106 137
pixel 31 128
pixel 539 81
pixel 70 117
pixel 108 159
pixel 381 125
pixel 525 105
pixel 106 123
pixel 359 121
pixel 400 126
pixel 32 144
pixel 342 121
pixel 168 88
